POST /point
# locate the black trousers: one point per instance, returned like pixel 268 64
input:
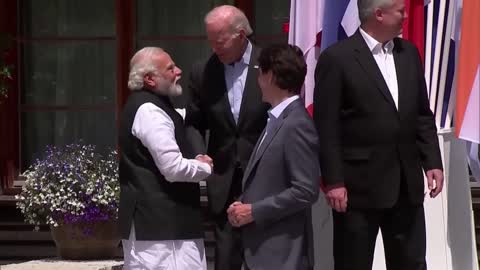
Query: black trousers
pixel 403 232
pixel 228 242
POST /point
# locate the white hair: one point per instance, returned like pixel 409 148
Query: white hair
pixel 140 65
pixel 367 7
pixel 231 15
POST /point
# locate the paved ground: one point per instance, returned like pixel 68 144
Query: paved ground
pixel 22 265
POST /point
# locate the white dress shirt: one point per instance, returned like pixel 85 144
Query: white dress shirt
pixel 155 129
pixel 274 113
pixel 383 54
pixel 235 77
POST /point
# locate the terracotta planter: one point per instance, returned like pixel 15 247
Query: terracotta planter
pixel 87 241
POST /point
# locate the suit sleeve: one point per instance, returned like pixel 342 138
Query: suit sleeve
pixel 195 120
pixel 327 103
pixel 303 173
pixel 427 140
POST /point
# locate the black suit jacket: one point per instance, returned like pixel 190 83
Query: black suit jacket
pixel 365 142
pixel 229 144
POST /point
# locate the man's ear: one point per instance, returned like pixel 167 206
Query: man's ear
pixel 148 80
pixel 271 78
pixel 242 33
pixel 378 14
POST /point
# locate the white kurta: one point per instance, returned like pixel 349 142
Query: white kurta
pixel 163 255
pixel 155 129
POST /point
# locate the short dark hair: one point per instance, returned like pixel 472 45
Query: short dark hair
pixel 287 65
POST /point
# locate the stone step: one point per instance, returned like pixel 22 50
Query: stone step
pixel 56 264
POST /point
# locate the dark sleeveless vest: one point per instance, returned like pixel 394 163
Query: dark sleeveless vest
pixel 160 210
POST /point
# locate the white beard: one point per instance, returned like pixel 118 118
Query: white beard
pixel 169 89
pixel 175 89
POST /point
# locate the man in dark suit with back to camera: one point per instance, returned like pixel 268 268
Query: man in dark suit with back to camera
pixel 377 134
pixel 226 102
pixel 281 179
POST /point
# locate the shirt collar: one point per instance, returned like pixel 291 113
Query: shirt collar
pixel 277 110
pixel 245 57
pixel 374 45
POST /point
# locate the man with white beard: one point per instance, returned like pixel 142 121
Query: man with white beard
pixel 159 212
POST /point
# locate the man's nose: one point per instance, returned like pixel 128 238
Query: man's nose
pixel 178 71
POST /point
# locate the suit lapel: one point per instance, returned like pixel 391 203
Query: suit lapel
pixel 260 149
pixel 365 59
pixel 219 73
pixel 251 91
pixel 401 67
pixel 249 168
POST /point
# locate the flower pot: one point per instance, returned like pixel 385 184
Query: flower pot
pixel 86 241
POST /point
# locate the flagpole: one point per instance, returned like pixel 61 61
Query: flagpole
pixel 436 59
pixel 443 70
pixel 428 45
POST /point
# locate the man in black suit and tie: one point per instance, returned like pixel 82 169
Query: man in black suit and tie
pixel 376 134
pixel 225 100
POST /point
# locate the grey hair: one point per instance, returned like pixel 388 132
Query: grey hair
pixel 232 15
pixel 367 7
pixel 140 65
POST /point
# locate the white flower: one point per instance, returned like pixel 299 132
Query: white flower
pixel 65 181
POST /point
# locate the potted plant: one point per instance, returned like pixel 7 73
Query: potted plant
pixel 75 190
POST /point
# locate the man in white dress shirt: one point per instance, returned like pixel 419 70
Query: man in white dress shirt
pixel 159 213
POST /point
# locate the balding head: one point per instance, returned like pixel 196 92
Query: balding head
pixel 231 16
pixel 382 19
pixel 366 8
pixel 227 31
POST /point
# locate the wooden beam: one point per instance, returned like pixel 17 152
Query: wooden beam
pixel 9 116
pixel 125 32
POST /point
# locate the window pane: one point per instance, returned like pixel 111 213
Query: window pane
pixel 184 54
pixel 270 15
pixel 179 17
pixel 58 128
pixel 68 18
pixel 69 73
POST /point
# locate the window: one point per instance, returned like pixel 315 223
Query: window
pixel 68 70
pixel 71 64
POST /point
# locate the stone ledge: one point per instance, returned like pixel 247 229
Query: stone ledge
pixel 57 264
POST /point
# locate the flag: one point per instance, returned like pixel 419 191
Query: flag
pixel 316 24
pixel 467 110
pixel 467 113
pixel 414 25
pixel 305 29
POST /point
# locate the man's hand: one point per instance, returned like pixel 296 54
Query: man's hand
pixel 435 182
pixel 205 159
pixel 239 214
pixel 337 198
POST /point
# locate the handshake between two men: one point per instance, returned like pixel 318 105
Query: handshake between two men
pixel 205 159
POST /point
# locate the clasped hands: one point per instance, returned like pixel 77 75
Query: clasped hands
pixel 239 214
pixel 205 159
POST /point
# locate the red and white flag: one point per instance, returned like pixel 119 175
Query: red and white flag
pixel 306 17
